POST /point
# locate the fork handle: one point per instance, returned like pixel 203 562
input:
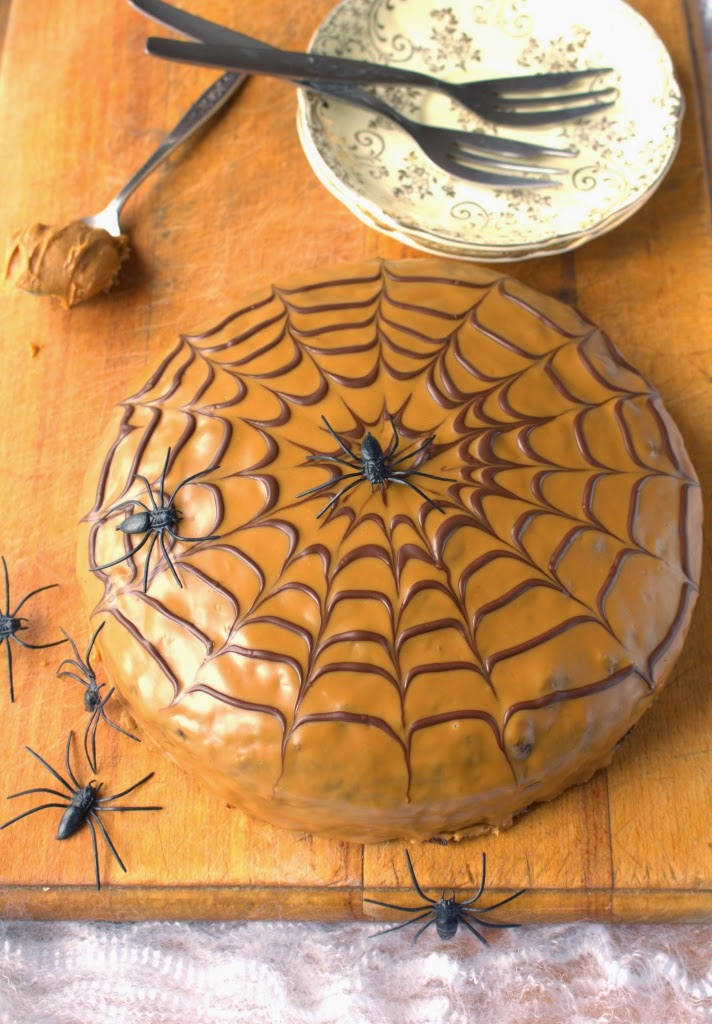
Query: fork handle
pixel 286 64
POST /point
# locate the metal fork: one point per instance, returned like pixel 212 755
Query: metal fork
pixel 462 154
pixel 522 101
pixel 456 152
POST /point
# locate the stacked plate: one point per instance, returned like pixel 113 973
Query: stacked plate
pixel 378 171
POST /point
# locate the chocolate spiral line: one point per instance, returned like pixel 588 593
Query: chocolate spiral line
pixel 599 686
pixel 235 702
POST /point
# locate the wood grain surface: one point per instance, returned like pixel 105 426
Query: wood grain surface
pixel 81 107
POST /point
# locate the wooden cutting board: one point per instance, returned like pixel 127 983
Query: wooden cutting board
pixel 81 108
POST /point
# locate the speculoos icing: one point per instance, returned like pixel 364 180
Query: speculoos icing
pixel 73 263
pixel 392 670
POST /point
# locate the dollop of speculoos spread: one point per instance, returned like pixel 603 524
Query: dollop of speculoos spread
pixel 73 263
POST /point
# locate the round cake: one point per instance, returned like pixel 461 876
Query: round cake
pixel 395 550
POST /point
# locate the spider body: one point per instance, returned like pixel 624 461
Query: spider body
pixel 447 917
pixel 83 805
pixel 446 913
pixel 154 522
pixel 92 696
pixel 11 624
pixel 374 465
pixel 94 702
pixel 76 814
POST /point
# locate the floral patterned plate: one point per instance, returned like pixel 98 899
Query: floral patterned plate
pixel 379 172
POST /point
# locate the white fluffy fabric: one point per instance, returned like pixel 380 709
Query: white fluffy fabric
pixel 292 973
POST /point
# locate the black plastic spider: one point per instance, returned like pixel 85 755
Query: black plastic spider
pixel 373 465
pixel 82 805
pixel 10 625
pixel 93 701
pixel 154 522
pixel 447 914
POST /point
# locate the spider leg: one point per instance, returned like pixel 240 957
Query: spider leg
pixel 337 496
pixel 122 558
pixel 501 903
pixel 138 476
pixel 481 889
pixel 78 663
pixel 6 641
pixel 37 789
pixel 469 927
pixel 416 451
pixel 416 885
pixel 105 834
pixel 100 713
pixel 7 586
pixel 50 769
pixel 407 483
pixel 113 725
pixel 421 930
pixel 37 647
pixel 73 675
pixel 148 562
pixel 125 792
pixel 32 594
pixel 485 924
pixel 189 479
pixel 70 773
pixel 96 852
pixel 93 721
pixel 395 906
pixel 393 447
pixel 163 479
pixel 33 810
pixel 164 549
pixel 328 483
pixel 91 645
pixel 180 536
pixel 403 925
pixel 417 472
pixel 333 458
pixel 336 437
pixel 102 808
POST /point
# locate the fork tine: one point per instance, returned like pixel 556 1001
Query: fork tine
pixel 482 177
pixel 566 99
pixel 508 147
pixel 532 119
pixel 548 79
pixel 465 153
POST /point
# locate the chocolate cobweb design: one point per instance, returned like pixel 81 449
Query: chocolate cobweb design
pixel 390 657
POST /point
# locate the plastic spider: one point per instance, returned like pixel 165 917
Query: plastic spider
pixel 83 805
pixel 447 914
pixel 374 465
pixel 10 626
pixel 154 522
pixel 93 701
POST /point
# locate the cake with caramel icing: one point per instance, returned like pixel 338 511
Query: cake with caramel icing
pixel 427 654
